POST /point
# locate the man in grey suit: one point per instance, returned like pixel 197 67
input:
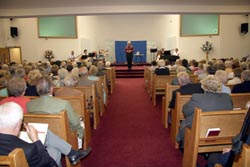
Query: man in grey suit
pixel 47 104
pixel 211 100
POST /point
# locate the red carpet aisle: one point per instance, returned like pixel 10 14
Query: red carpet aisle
pixel 130 133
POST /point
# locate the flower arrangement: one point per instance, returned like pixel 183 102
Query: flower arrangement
pixel 207 47
pixel 48 54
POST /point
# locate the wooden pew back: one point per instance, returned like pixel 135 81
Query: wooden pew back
pixel 104 88
pixel 100 92
pixel 110 72
pixel 78 104
pixel 91 102
pixel 194 78
pixel 58 124
pixel 240 99
pixel 195 138
pixel 243 159
pixel 150 82
pixel 165 103
pixel 146 77
pixel 159 85
pixel 16 158
pixel 177 115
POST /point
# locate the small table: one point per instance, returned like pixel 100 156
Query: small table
pixel 138 56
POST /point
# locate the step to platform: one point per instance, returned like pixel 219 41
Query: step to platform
pixel 137 70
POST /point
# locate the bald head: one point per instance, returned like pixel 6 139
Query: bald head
pixel 11 116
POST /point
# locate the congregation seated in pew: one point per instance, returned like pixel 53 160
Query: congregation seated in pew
pixel 70 81
pixel 212 99
pixel 16 88
pixel 186 87
pixel 162 69
pixel 44 88
pixel 243 87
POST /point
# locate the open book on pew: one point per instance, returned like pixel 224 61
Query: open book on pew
pixel 42 130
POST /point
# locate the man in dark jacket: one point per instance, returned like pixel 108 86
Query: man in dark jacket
pixel 11 116
pixel 186 87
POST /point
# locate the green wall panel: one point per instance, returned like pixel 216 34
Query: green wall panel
pixel 57 27
pixel 198 25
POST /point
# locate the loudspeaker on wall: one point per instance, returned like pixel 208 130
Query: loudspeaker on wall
pixel 13 32
pixel 244 28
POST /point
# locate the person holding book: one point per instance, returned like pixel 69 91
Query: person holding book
pixel 54 145
pixel 11 117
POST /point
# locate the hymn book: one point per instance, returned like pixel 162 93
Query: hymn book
pixel 42 130
pixel 213 132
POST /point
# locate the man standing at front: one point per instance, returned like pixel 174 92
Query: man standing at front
pixel 129 54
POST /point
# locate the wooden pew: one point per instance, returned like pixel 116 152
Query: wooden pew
pixel 243 159
pixel 79 105
pixel 91 101
pixel 147 72
pixel 159 85
pixel 100 92
pixel 165 102
pixel 15 158
pixel 104 89
pixel 195 140
pixel 113 77
pixel 58 124
pixel 194 78
pixel 110 72
pixel 150 82
pixel 240 99
pixel 177 115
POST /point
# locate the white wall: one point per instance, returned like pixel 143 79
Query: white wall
pixel 100 32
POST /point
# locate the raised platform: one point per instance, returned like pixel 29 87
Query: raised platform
pixel 137 70
pixel 125 64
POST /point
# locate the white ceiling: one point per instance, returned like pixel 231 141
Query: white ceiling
pixel 31 4
pixel 35 8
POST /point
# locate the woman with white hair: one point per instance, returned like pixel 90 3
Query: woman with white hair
pixel 211 100
pixel 32 78
pixel 162 69
pixel 222 76
pixel 243 87
pixel 62 73
pixel 178 70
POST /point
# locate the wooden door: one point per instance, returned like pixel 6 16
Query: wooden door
pixel 4 55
